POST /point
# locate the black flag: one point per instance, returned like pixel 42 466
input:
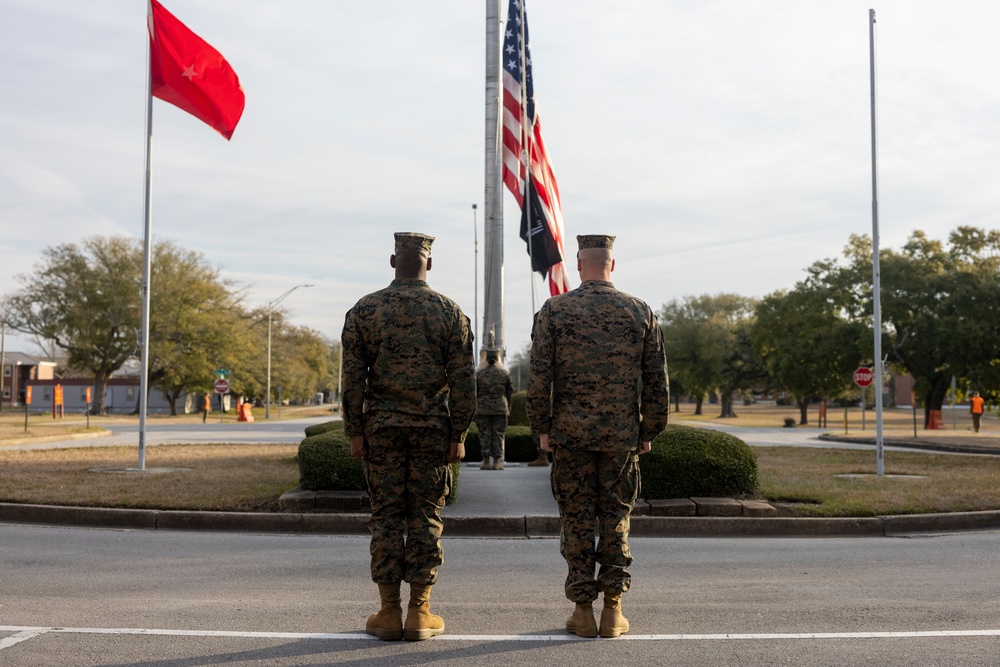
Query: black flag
pixel 542 247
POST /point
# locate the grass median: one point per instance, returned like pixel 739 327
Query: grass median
pixel 245 478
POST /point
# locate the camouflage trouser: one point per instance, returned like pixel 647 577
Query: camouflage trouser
pixel 408 478
pixel 596 492
pixel 491 431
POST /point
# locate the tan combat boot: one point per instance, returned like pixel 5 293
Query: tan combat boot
pixel 581 623
pixel 486 464
pixel 613 623
pixel 498 464
pixel 420 622
pixel 387 623
pixel 542 460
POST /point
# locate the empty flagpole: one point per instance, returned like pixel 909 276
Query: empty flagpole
pixel 876 277
pixel 146 251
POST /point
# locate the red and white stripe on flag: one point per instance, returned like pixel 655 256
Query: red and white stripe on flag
pixel 513 139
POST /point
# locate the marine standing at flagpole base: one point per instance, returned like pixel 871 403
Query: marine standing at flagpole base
pixel 493 393
pixel 409 397
pixel 598 395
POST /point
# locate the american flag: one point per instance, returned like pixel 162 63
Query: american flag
pixel 546 244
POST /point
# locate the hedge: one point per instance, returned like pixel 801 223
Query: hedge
pixel 695 462
pixel 326 464
pixel 519 446
pixel 316 429
pixel 518 409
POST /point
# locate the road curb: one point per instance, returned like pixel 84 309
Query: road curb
pixel 495 526
pixel 913 444
pixel 42 439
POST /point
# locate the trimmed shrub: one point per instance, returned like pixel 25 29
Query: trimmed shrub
pixel 518 409
pixel 686 461
pixel 518 447
pixel 326 464
pixel 316 429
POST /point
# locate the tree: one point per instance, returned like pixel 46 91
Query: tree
pixel 704 347
pixel 808 347
pixel 300 359
pixel 331 383
pixel 518 364
pixel 940 311
pixel 196 323
pixel 84 298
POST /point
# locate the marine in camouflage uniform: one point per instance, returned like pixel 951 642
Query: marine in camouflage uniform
pixel 598 396
pixel 493 392
pixel 409 397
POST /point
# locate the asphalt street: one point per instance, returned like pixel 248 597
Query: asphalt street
pixel 169 598
pixel 86 597
pixel 161 433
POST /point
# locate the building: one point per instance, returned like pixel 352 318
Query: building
pixel 121 397
pixel 18 370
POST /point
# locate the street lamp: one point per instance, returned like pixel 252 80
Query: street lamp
pixel 475 264
pixel 270 307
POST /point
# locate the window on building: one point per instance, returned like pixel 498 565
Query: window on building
pixel 6 371
pixel 129 393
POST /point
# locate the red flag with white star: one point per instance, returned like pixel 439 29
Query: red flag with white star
pixel 187 72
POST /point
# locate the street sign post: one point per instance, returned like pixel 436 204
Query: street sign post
pixel 863 377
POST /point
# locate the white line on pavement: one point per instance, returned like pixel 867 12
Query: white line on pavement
pixel 21 634
pixel 24 633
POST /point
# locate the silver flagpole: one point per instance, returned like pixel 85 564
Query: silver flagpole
pixel 876 276
pixel 493 200
pixel 146 256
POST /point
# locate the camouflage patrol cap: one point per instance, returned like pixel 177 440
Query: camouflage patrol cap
pixel 596 241
pixel 413 241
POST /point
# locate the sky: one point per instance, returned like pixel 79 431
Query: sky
pixel 726 143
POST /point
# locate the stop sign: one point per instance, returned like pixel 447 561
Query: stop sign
pixel 863 377
pixel 221 386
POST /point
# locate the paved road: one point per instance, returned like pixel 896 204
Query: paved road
pixel 160 433
pixel 784 437
pixel 170 599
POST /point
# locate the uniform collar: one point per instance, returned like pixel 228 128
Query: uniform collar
pixel 413 282
pixel 596 283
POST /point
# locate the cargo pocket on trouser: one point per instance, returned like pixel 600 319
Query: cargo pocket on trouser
pixel 625 489
pixel 638 478
pixel 449 484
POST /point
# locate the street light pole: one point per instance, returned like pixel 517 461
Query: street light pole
pixel 3 360
pixel 475 245
pixel 270 308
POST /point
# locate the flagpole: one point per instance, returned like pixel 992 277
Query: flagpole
pixel 876 277
pixel 146 254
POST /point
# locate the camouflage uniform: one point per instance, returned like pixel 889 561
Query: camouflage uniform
pixel 409 388
pixel 598 388
pixel 493 392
